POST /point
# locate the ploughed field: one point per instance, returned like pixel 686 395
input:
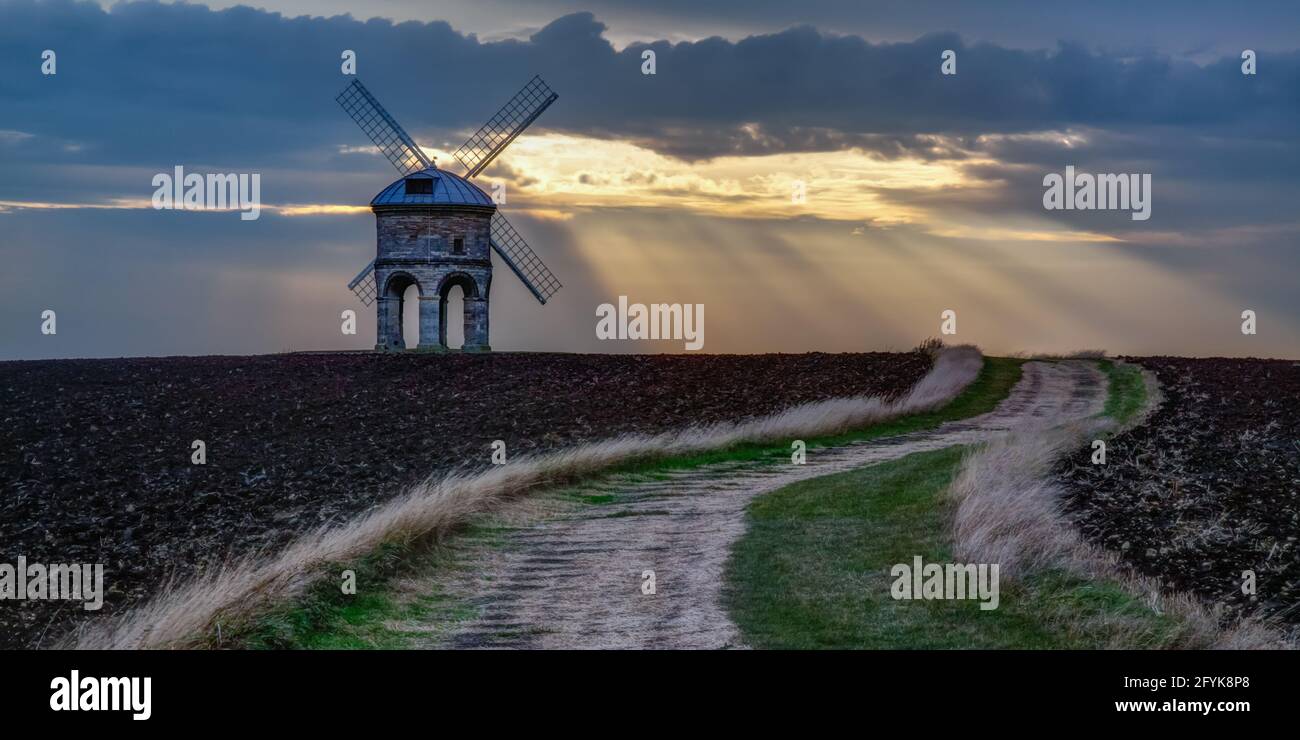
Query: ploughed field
pixel 95 455
pixel 1208 487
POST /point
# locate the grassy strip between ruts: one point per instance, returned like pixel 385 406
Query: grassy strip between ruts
pixel 813 571
pixel 330 619
pixel 1126 392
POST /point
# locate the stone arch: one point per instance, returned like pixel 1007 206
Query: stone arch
pixel 399 281
pixel 475 314
pixel 466 282
pixel 392 303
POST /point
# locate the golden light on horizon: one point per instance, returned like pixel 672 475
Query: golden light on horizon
pixel 551 177
pixel 563 171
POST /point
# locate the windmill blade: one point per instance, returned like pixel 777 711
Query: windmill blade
pixel 502 128
pixel 382 129
pixel 535 275
pixel 363 287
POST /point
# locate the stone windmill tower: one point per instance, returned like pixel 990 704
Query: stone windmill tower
pixel 435 228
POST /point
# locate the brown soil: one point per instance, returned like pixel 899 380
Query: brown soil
pixel 1208 487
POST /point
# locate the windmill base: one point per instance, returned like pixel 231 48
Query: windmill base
pixel 433 349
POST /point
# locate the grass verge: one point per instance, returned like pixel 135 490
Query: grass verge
pixel 812 572
pixel 371 617
pixel 356 621
pixel 1126 392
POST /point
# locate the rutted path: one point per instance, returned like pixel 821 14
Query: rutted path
pixel 573 579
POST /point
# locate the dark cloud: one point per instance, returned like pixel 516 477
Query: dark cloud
pixel 153 83
pixel 1123 26
pixel 1203 29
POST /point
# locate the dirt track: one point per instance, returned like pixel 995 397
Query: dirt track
pixel 573 579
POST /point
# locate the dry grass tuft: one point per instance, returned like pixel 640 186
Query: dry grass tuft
pixel 1004 511
pixel 1080 354
pixel 931 346
pixel 1008 512
pixel 194 614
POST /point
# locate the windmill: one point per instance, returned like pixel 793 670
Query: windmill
pixel 434 227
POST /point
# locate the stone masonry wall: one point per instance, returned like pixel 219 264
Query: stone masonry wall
pixel 416 242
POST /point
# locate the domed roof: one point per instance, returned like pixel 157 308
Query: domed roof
pixel 435 187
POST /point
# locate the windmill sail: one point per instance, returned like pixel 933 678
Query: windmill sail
pixel 502 128
pixel 391 139
pixel 522 259
pixel 364 284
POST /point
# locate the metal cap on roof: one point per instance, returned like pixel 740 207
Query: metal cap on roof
pixel 445 190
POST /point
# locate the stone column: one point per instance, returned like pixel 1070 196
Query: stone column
pixel 431 324
pixel 442 321
pixel 388 323
pixel 476 325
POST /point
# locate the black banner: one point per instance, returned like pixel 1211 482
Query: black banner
pixel 190 690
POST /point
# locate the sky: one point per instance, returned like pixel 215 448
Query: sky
pixel 923 192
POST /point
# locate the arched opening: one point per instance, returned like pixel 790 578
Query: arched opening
pixel 411 316
pixel 453 306
pixel 455 293
pixel 399 312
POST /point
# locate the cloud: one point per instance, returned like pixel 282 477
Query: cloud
pixel 148 80
pixel 145 86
